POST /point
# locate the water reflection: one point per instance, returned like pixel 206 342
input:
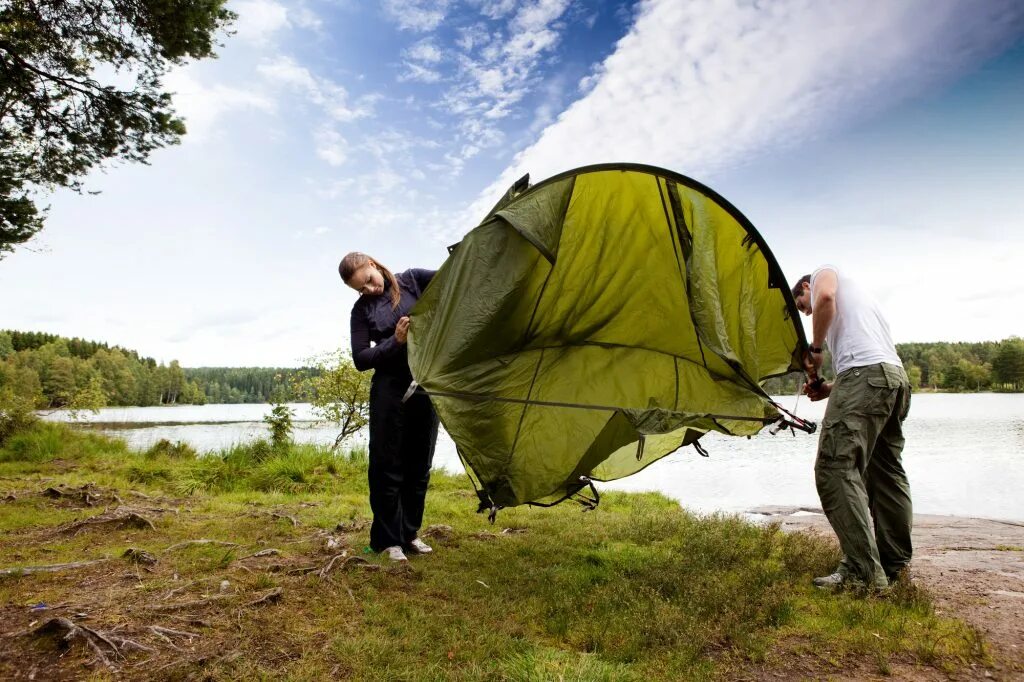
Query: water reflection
pixel 963 454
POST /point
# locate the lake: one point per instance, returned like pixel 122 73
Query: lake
pixel 964 453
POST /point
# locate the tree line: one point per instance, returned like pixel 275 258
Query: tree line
pixel 947 366
pixel 51 371
pixel 246 384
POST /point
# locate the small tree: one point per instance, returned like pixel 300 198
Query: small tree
pixel 338 392
pixel 280 422
pixel 89 398
pixel 19 393
pixel 914 374
pixel 1008 364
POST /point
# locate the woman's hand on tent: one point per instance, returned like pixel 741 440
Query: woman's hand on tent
pixel 402 330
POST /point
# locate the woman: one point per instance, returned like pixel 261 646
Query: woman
pixel 402 435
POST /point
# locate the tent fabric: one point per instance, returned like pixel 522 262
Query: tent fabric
pixel 596 322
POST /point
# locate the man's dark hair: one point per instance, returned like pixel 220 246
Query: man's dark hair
pixel 798 288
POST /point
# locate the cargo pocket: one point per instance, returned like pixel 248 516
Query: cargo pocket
pixel 840 441
pixel 878 396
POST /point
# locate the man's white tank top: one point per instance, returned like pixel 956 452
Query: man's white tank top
pixel 859 335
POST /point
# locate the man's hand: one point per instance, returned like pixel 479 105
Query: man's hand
pixel 402 330
pixel 812 364
pixel 817 390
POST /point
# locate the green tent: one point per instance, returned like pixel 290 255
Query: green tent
pixel 596 322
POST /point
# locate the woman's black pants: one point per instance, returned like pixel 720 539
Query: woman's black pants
pixel 402 438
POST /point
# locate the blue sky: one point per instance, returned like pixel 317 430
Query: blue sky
pixel 882 136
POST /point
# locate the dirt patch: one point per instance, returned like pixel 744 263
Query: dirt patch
pixel 974 568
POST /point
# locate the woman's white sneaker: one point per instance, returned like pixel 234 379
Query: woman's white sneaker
pixel 417 546
pixel 395 553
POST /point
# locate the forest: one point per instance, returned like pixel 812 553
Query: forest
pixel 52 371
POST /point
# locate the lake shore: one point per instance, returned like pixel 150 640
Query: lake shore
pixel 250 562
pixel 956 444
pixel 973 567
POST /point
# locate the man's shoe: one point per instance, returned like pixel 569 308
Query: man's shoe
pixel 417 546
pixel 830 582
pixel 395 553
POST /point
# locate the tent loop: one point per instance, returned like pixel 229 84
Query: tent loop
pixel 701 450
pixel 589 503
pixel 411 390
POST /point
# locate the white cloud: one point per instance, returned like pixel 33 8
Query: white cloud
pixel 425 51
pixel 418 72
pixel 474 36
pixel 531 31
pixel 699 86
pixel 259 20
pixel 325 93
pixel 303 17
pixel 496 9
pixel 416 15
pixel 419 62
pixel 331 146
pixel 202 105
pixel 495 71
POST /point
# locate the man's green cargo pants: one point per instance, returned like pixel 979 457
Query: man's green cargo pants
pixel 860 476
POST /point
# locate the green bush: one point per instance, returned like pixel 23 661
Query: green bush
pixel 16 414
pixel 41 443
pixel 280 422
pixel 176 450
pixel 298 470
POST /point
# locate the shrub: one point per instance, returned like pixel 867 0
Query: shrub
pixel 280 422
pixel 16 414
pixel 40 444
pixel 176 450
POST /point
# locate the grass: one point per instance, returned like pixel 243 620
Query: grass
pixel 638 589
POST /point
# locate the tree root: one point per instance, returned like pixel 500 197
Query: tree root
pixel 195 603
pixel 86 494
pixel 152 510
pixel 167 633
pixel 353 526
pixel 139 556
pixel 348 563
pixel 270 551
pixel 184 587
pixel 191 620
pixel 117 518
pixel 203 541
pixel 68 631
pixel 301 570
pixel 282 515
pixel 53 568
pixel 330 564
pixel 268 598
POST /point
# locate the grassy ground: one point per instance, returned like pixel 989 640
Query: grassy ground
pixel 636 590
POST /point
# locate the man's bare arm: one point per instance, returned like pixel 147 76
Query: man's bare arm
pixel 824 305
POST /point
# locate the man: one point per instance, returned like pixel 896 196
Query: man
pixel 858 471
